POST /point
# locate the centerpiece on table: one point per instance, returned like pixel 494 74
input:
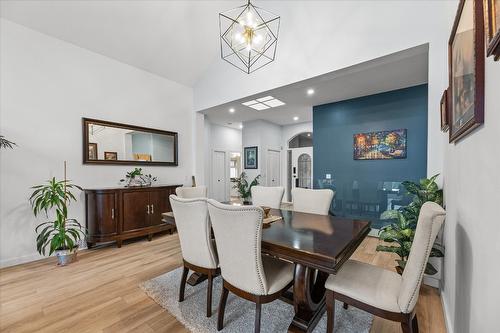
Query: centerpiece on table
pixel 136 178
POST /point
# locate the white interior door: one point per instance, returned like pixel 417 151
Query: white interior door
pixel 298 171
pixel 273 168
pixel 219 177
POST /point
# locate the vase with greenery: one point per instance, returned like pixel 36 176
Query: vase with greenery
pixel 401 232
pixel 4 143
pixel 137 178
pixel 244 188
pixel 60 234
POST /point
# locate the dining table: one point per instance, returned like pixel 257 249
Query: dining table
pixel 317 245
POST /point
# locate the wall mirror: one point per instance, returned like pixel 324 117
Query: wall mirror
pixel 106 142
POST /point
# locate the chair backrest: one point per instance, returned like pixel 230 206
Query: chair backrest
pixel 191 192
pixel 312 201
pixel 238 234
pixel 269 196
pixel 193 226
pixel 429 223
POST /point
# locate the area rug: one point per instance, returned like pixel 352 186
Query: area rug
pixel 240 314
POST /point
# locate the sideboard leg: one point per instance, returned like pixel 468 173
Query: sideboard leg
pixel 150 237
pixel 118 243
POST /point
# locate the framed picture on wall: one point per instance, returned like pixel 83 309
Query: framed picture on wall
pixel 444 111
pixel 251 157
pixel 466 70
pixel 93 151
pixel 110 155
pixel 493 17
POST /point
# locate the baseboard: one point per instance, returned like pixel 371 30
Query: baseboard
pixel 446 313
pixel 20 260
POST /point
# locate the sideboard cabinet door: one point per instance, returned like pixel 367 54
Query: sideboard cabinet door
pixel 135 205
pixel 159 201
pixel 106 214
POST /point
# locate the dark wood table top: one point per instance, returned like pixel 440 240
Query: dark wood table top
pixel 317 241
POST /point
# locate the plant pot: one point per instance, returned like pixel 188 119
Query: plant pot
pixel 65 257
pixel 247 202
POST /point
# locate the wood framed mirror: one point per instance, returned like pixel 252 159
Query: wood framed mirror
pixel 106 142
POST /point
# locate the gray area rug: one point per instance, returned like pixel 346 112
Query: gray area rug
pixel 239 314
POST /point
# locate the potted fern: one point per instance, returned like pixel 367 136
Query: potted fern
pixel 60 235
pixel 245 189
pixel 401 232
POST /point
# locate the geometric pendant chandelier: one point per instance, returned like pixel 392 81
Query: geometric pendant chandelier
pixel 248 37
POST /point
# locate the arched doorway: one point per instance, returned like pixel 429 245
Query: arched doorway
pixel 299 162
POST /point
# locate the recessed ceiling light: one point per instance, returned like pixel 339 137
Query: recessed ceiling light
pixel 295 118
pixel 308 134
pixel 231 110
pixel 241 125
pixel 310 91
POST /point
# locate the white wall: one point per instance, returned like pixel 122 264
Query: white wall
pixel 46 87
pixel 472 227
pixel 220 138
pixel 264 135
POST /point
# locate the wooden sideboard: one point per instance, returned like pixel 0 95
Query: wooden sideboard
pixel 115 214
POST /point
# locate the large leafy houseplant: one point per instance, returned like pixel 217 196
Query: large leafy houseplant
pixel 401 232
pixel 245 189
pixel 59 233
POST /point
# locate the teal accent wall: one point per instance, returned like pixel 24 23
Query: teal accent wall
pixel 365 188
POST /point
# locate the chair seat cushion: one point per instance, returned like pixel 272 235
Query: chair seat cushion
pixel 368 284
pixel 279 273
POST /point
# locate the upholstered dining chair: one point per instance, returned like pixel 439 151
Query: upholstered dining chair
pixel 245 271
pixel 198 249
pixel 191 192
pixel 382 292
pixel 312 201
pixel 269 196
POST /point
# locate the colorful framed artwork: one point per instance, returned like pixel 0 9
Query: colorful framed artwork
pixel 110 155
pixel 251 157
pixel 383 145
pixel 466 70
pixel 493 17
pixel 444 111
pixel 93 151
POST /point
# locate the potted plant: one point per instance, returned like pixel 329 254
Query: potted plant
pixel 60 235
pixel 244 189
pixel 402 231
pixel 137 178
pixel 4 143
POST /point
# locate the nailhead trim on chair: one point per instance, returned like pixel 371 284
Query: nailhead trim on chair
pixel 259 227
pixel 422 268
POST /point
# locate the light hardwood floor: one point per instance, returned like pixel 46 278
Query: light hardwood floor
pixel 100 292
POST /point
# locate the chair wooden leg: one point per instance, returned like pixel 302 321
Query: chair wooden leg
pixel 346 306
pixel 330 311
pixel 414 324
pixel 209 294
pixel 407 324
pixel 183 283
pixel 222 307
pixel 258 308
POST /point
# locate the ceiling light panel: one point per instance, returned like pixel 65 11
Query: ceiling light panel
pixel 263 99
pixel 250 103
pixel 274 103
pixel 259 106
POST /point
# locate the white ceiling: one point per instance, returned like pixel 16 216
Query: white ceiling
pixel 395 71
pixel 174 39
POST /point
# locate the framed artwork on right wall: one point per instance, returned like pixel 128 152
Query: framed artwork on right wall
pixel 466 70
pixel 493 17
